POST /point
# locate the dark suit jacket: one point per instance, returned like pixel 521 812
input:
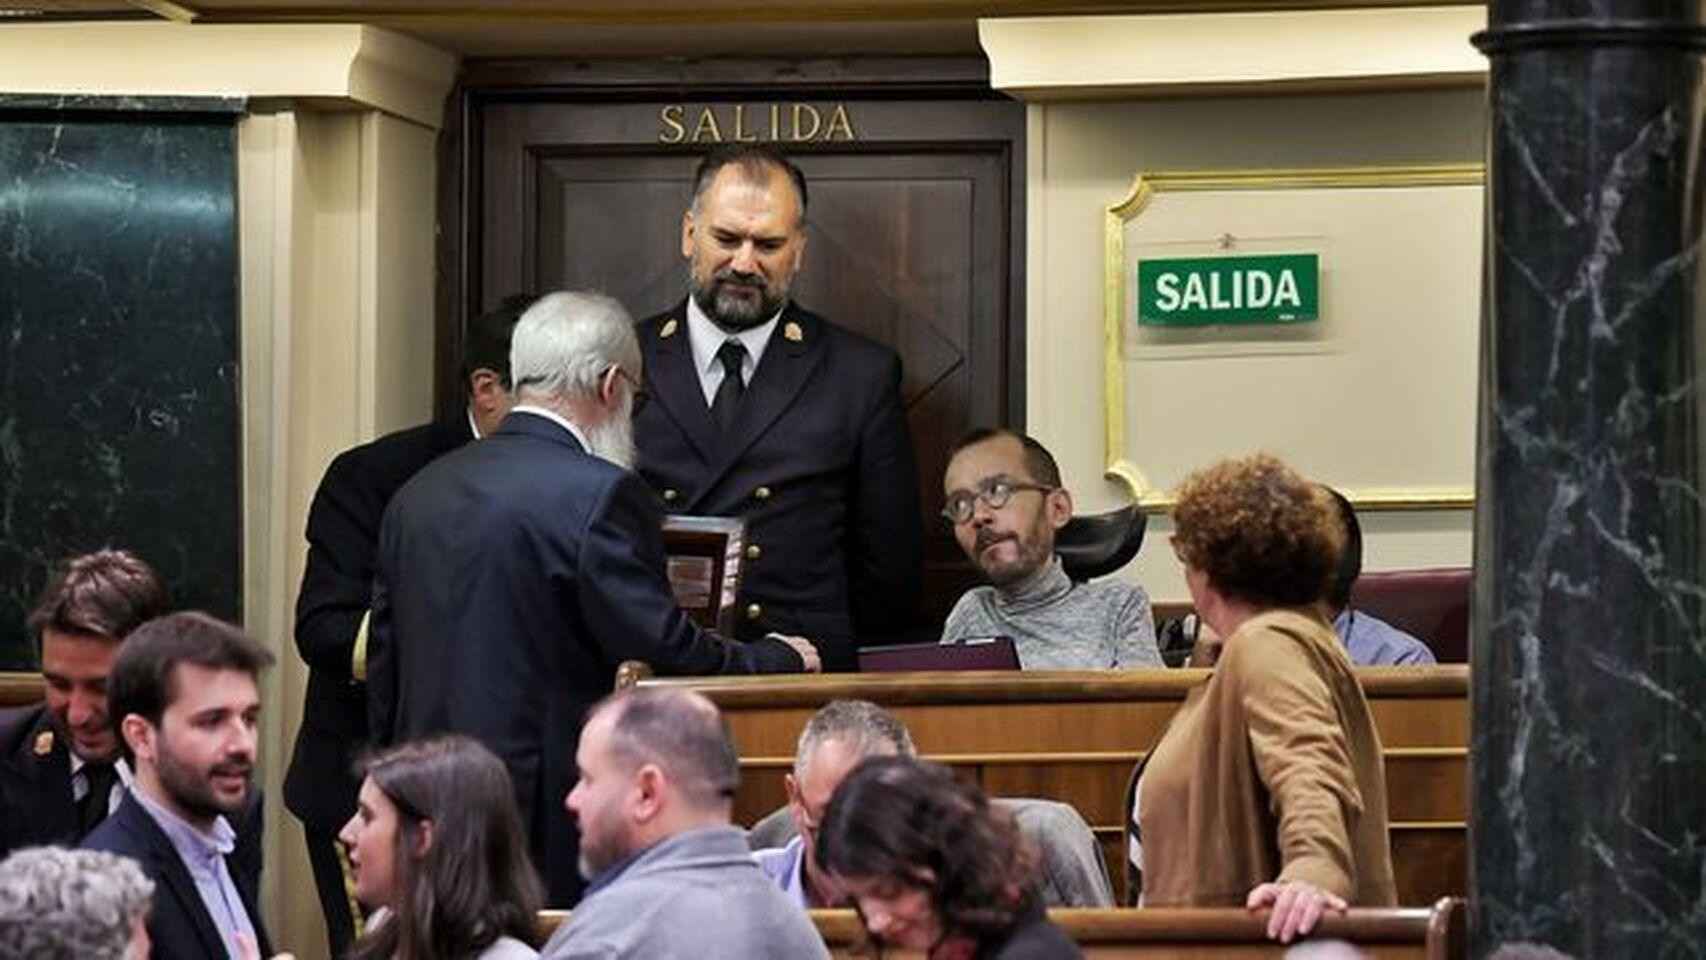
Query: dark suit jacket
pixel 514 575
pixel 337 585
pixel 819 462
pixel 179 923
pixel 35 789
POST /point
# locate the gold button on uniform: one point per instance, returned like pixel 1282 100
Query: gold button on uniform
pixel 762 493
pixel 669 496
pixel 752 551
pixel 754 611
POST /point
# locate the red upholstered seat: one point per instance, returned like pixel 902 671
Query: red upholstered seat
pixel 1432 605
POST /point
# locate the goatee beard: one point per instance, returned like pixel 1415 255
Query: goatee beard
pixel 732 314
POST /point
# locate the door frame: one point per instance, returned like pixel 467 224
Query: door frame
pixel 486 82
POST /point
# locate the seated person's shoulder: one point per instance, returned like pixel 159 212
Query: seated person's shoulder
pixel 1373 642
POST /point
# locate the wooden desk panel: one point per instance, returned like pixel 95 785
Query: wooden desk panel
pixel 1075 737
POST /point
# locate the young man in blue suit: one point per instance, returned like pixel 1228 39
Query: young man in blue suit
pixel 184 693
pixel 515 574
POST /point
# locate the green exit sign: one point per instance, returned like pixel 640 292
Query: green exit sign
pixel 1200 291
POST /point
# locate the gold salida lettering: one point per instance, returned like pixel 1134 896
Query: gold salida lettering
pixel 672 130
pixel 707 127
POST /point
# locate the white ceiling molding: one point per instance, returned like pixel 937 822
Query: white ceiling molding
pixel 333 65
pixel 1108 57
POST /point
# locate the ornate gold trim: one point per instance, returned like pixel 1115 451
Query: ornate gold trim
pixel 166 9
pixel 1144 187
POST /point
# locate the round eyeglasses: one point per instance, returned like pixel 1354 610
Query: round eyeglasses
pixel 995 493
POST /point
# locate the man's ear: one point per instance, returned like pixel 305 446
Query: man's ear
pixel 138 734
pixel 687 233
pixel 1059 507
pixel 486 389
pixel 649 786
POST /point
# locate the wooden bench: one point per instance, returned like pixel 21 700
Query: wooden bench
pixel 1435 933
pixel 1075 737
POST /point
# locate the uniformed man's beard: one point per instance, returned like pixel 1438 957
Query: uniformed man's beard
pixel 729 310
pixel 613 440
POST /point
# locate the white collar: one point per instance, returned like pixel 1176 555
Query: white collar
pixel 473 425
pixel 121 766
pixel 707 338
pixel 556 418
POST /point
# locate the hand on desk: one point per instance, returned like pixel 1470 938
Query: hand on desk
pixel 803 647
pixel 1297 905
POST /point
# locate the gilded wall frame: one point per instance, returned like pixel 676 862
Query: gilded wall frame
pixel 1119 465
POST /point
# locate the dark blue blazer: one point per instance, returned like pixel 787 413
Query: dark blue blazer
pixel 179 924
pixel 35 788
pixel 513 576
pixel 337 586
pixel 819 462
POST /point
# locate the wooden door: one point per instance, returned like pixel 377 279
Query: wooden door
pixel 915 228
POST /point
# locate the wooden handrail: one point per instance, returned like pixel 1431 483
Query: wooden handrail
pixel 1043 686
pixel 21 689
pixel 1439 927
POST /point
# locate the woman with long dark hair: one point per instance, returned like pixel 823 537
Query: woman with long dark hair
pixel 438 852
pixel 931 865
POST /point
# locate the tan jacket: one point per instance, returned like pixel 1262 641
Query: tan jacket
pixel 1272 769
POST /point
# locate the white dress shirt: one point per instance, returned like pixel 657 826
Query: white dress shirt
pixel 707 338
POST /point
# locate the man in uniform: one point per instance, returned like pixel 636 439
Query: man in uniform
pixel 60 772
pixel 769 412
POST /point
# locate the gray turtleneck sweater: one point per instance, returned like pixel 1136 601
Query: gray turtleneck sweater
pixel 1059 625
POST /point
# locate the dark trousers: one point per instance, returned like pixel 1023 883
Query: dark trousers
pixel 336 897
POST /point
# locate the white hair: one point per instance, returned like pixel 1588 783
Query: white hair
pixel 566 341
pixel 69 904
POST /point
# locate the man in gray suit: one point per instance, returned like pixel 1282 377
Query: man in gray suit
pixel 669 876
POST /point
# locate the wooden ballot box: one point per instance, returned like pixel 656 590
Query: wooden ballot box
pixel 704 555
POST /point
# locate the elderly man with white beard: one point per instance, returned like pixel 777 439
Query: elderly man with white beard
pixel 515 574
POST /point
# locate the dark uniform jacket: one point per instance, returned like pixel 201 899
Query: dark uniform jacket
pixel 35 783
pixel 178 923
pixel 337 585
pixel 819 462
pixel 513 576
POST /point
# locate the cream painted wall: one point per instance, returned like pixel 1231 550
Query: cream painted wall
pixel 1081 159
pixel 337 229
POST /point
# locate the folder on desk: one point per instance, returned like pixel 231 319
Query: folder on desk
pixel 976 653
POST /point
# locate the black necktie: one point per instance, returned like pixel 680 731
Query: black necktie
pixel 100 778
pixel 727 400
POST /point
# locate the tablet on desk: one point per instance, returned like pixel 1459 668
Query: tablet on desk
pixel 977 653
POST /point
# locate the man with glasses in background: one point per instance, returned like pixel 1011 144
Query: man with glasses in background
pixel 1005 502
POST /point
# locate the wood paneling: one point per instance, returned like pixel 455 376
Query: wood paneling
pixel 1076 736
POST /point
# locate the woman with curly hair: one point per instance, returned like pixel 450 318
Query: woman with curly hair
pixel 437 850
pixel 1267 788
pixel 932 866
